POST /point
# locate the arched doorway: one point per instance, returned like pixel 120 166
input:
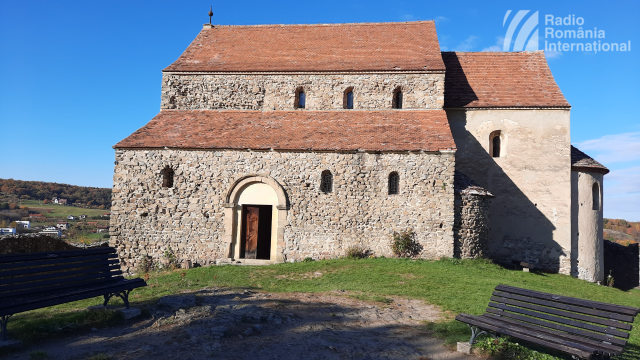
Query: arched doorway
pixel 255 214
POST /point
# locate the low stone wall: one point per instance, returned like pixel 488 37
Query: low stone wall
pixel 471 226
pixel 623 262
pixel 29 243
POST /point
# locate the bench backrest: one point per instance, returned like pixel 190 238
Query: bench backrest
pixel 602 323
pixel 24 274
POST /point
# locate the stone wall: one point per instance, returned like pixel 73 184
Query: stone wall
pixel 471 226
pixel 531 180
pixel 277 92
pixel 30 243
pixel 623 263
pixel 190 217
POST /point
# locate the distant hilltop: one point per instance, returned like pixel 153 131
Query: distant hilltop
pixel 622 231
pixel 18 190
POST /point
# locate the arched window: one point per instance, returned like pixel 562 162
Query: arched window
pixel 326 182
pixel 496 144
pixel 301 98
pixel 167 177
pixel 397 99
pixel 595 193
pixel 394 183
pixel 348 98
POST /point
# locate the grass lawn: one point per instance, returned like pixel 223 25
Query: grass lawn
pixel 60 211
pixel 454 285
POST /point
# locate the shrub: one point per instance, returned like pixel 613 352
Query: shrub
pixel 610 280
pixel 503 349
pixel 308 259
pixel 145 265
pixel 356 252
pixel 404 244
pixel 170 259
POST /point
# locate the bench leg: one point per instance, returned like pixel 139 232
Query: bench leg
pixel 3 326
pixel 475 332
pixel 124 295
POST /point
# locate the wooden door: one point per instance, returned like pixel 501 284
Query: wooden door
pixel 252 222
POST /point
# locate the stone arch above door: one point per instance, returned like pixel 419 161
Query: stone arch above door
pixel 231 219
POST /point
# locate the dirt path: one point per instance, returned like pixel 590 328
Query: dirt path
pixel 231 324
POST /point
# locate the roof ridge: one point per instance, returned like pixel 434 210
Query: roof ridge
pixel 326 24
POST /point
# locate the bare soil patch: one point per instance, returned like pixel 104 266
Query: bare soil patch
pixel 242 324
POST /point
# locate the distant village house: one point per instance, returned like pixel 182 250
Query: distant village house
pixel 24 224
pixel 63 225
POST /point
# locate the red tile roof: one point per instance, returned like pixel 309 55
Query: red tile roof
pixel 500 79
pixel 318 47
pixel 583 162
pixel 391 130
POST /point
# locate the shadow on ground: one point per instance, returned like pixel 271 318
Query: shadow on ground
pixel 241 324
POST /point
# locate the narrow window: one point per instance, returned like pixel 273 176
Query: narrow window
pixel 301 98
pixel 167 177
pixel 595 190
pixel 496 143
pixel 326 182
pixel 394 183
pixel 348 98
pixel 397 99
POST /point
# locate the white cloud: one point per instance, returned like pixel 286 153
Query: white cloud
pixel 621 207
pixel 623 182
pixel 440 20
pixel 622 194
pixel 552 54
pixel 613 148
pixel 621 186
pixel 497 46
pixel 468 44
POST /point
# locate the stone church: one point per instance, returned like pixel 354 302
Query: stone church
pixel 276 143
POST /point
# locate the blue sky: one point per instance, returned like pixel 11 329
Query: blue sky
pixel 76 77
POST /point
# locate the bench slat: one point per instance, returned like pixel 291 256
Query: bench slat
pixel 64 293
pixel 626 310
pixel 44 255
pixel 28 279
pixel 560 320
pixel 571 330
pixel 601 321
pixel 610 348
pixel 579 309
pixel 567 347
pixel 57 267
pixel 62 300
pixel 91 279
pixel 57 282
pixel 25 264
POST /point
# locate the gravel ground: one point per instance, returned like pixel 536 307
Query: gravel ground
pixel 230 324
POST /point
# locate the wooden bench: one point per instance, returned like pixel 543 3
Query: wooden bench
pixel 582 328
pixel 37 280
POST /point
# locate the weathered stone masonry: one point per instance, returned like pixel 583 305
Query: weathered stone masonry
pixel 277 92
pixel 189 217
